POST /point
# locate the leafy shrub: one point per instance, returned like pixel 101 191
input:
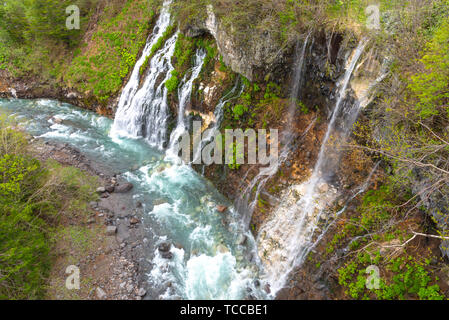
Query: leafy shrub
pixel 172 83
pixel 32 196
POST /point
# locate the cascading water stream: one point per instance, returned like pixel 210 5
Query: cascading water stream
pixel 208 254
pixel 184 93
pixel 246 203
pixel 131 87
pixel 214 255
pixel 209 134
pixel 286 239
pixel 142 113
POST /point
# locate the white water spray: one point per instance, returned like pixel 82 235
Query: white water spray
pixel 184 93
pixel 286 239
pixel 142 109
pixel 246 203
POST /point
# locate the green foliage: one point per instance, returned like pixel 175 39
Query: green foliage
pixel 172 83
pixel 375 207
pixel 408 279
pixel 38 20
pixel 184 50
pixel 116 44
pixel 232 161
pixel 31 196
pixel 239 110
pixel 23 244
pixel 302 107
pixel 157 46
pixel 272 92
pixel 210 47
pixel 431 87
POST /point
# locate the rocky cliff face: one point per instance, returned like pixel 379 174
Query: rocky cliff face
pixel 259 56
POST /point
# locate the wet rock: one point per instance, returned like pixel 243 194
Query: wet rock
pixel 72 95
pixel 178 246
pixel 323 188
pixel 133 220
pixel 142 292
pixel 241 240
pixel 222 248
pixel 101 190
pixel 111 230
pixel 167 255
pixel 221 208
pixel 267 288
pixel 164 247
pixel 57 120
pixel 124 187
pixel 110 189
pixel 160 201
pixel 299 190
pixel 100 293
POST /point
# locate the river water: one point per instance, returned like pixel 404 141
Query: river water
pixel 214 257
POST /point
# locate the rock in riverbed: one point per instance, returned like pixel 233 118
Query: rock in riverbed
pixel 111 230
pixel 164 247
pixel 100 293
pixel 57 120
pixel 167 255
pixel 221 209
pixel 123 187
pixel 142 292
pixel 101 190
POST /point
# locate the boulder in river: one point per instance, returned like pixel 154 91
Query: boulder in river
pixel 167 255
pixel 123 187
pixel 57 120
pixel 164 247
pixel 267 288
pixel 221 208
pixel 241 240
pixel 160 201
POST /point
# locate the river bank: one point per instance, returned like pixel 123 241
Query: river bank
pixel 110 260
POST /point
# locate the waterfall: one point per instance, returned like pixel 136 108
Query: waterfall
pixel 296 85
pixel 209 134
pixel 286 239
pixel 142 108
pixel 246 203
pixel 184 93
